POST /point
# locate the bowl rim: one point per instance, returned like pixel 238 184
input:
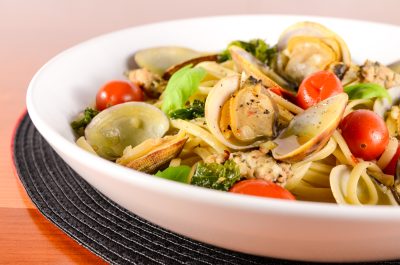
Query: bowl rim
pixel 194 193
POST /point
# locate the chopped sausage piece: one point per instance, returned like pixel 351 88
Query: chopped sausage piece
pixel 375 72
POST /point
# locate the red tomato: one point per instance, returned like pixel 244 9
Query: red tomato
pixel 365 133
pixel 258 187
pixel 391 167
pixel 317 87
pixel 117 92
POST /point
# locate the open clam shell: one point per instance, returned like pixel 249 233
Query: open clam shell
pixel 307 47
pixel 310 130
pixel 246 62
pixel 253 113
pixel 125 124
pixel 216 99
pixel 153 154
pixel 159 59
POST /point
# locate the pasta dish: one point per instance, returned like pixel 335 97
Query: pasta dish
pixel 297 120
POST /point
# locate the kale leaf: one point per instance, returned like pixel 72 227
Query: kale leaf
pixel 216 176
pixel 80 124
pixel 195 110
pixel 257 47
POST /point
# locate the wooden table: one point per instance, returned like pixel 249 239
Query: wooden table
pixel 31 32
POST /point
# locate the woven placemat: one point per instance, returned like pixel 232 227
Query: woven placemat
pixel 100 225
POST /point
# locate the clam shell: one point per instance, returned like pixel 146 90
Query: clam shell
pixel 158 158
pixel 246 62
pixel 159 59
pixel 217 97
pixel 159 153
pixel 310 130
pixel 313 29
pixel 126 124
pixel 307 47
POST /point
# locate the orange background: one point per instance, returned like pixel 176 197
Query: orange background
pixel 33 31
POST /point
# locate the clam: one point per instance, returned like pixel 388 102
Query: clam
pixel 253 113
pixel 122 125
pixel 240 117
pixel 153 154
pixel 310 130
pixel 307 47
pixel 159 59
pixel 249 64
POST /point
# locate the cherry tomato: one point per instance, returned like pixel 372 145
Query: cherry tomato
pixel 258 187
pixel 365 133
pixel 317 87
pixel 390 169
pixel 117 92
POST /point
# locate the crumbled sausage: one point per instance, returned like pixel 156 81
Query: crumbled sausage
pixel 151 83
pixel 375 72
pixel 256 164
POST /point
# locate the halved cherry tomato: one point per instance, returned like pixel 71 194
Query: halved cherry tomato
pixel 258 187
pixel 117 92
pixel 390 169
pixel 317 87
pixel 365 133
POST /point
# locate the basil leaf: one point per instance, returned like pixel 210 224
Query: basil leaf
pixel 181 86
pixel 216 176
pixel 367 90
pixel 196 110
pixel 179 174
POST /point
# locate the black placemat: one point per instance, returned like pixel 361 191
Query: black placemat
pixel 100 225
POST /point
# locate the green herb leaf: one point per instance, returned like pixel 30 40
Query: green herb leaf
pixel 181 86
pixel 179 174
pixel 367 90
pixel 196 110
pixel 80 125
pixel 257 47
pixel 216 176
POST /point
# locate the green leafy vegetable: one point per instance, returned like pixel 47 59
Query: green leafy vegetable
pixel 179 174
pixel 216 176
pixel 196 110
pixel 181 86
pixel 367 90
pixel 80 124
pixel 259 48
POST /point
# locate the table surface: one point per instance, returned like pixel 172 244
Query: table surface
pixel 34 31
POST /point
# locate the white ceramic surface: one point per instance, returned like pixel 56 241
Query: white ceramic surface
pixel 268 227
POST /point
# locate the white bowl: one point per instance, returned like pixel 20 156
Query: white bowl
pixel 268 227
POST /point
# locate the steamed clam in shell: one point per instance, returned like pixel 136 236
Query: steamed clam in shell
pixel 153 154
pixel 125 124
pixel 246 62
pixel 240 116
pixel 307 47
pixel 310 130
pixel 159 59
pixel 253 113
